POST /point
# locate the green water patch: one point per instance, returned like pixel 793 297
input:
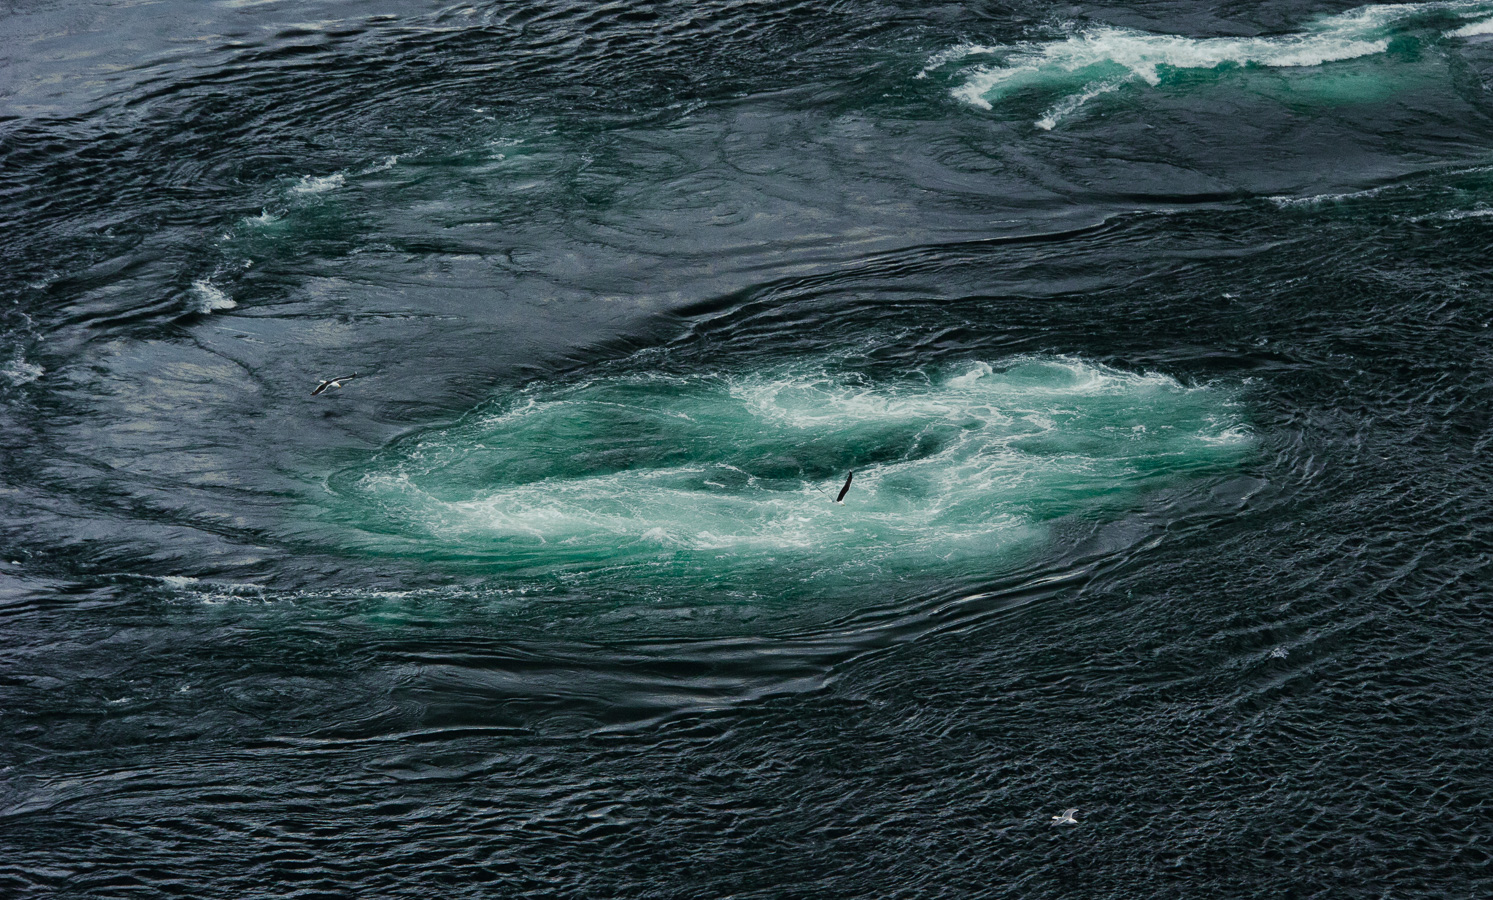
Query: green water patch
pixel 1363 55
pixel 721 485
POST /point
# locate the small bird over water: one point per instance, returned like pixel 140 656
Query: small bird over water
pixel 1066 818
pixel 333 382
pixel 841 498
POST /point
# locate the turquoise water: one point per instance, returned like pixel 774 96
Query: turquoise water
pixel 721 485
pixel 1366 54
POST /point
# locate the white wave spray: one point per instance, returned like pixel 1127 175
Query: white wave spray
pixel 715 479
pixel 210 298
pixel 1099 59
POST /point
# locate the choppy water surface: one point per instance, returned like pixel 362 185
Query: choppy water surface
pixel 1157 339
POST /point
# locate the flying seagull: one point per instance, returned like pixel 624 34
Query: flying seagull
pixel 1066 818
pixel 841 498
pixel 333 382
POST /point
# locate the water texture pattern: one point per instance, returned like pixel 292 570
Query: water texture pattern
pixel 723 481
pixel 1157 337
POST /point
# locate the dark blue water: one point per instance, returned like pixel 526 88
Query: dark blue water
pixel 1156 336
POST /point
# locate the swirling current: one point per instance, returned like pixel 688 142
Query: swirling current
pixel 1156 338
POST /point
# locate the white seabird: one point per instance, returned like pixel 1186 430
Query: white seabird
pixel 333 382
pixel 1066 818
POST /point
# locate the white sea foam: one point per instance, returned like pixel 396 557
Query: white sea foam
pixel 1105 49
pixel 311 184
pixel 1319 199
pixel 955 54
pixel 653 474
pixel 1099 59
pixel 383 165
pixel 1475 29
pixel 200 590
pixel 19 372
pixel 1069 105
pixel 210 298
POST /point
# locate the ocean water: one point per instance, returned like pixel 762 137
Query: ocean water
pixel 1156 337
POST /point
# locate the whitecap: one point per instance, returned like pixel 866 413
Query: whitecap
pixel 312 184
pixel 1098 59
pixel 1318 199
pixel 1139 55
pixel 1069 105
pixel 210 298
pixel 1473 30
pixel 19 372
pixel 954 54
pixel 383 165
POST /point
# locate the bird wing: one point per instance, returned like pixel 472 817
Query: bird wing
pixel 843 490
pixel 1068 813
pixel 333 382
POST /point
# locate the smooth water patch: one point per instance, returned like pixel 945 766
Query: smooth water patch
pixel 1096 60
pixel 722 484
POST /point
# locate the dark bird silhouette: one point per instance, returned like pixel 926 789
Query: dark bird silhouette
pixel 333 382
pixel 841 498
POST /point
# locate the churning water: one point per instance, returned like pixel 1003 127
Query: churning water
pixel 1157 340
pixel 717 486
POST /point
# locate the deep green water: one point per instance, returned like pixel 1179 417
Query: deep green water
pixel 1156 337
